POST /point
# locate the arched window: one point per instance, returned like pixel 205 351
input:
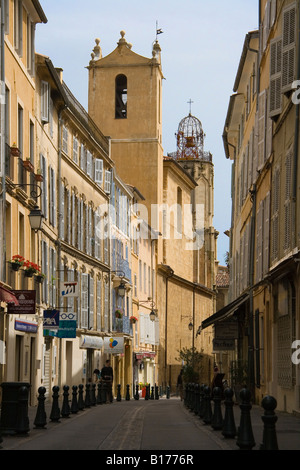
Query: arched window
pixel 121 97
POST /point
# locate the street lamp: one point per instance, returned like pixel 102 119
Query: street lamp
pixel 191 326
pixel 36 218
pixel 152 315
pixel 121 289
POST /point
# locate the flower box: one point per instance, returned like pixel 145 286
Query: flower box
pixel 16 262
pixel 28 166
pixel 133 319
pixel 118 314
pixel 38 177
pixel 40 278
pixel 14 151
pixel 31 269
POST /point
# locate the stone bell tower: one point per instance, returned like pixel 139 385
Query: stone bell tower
pixel 125 101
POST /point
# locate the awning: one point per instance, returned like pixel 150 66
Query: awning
pixel 91 342
pixel 225 312
pixel 7 296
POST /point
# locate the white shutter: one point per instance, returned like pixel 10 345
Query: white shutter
pixel 81 224
pixel 45 101
pixel 68 215
pixel 62 212
pixel 288 47
pixel 84 300
pixel 275 77
pixel 142 328
pixel 91 302
pixel 269 130
pixel 75 149
pixel 89 163
pixel 107 182
pixel 255 150
pixel 98 305
pixel 83 158
pixel 74 221
pixel 287 203
pixel 99 171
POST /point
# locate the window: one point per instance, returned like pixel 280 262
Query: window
pixel 107 182
pixel 52 199
pixel 75 149
pixel 275 77
pixel 288 47
pixel 121 97
pixel 30 46
pixel 18 26
pixel 45 101
pixel 65 139
pixel 89 163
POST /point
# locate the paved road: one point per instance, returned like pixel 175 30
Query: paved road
pixel 153 426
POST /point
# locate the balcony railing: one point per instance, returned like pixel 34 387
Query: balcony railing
pixel 121 264
pixel 122 325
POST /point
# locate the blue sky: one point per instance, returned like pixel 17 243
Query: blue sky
pixel 201 47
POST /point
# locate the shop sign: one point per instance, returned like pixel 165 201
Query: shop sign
pixel 26 300
pixel 50 322
pixel 114 345
pixel 69 289
pixel 226 330
pixel 28 327
pixel 93 342
pixel 223 345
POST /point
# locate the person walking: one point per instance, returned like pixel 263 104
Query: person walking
pixel 107 377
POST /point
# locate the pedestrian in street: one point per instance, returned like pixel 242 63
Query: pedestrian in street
pixel 217 381
pixel 180 384
pixel 107 377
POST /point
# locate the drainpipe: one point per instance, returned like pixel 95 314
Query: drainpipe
pixel 2 150
pixel 251 276
pixel 166 326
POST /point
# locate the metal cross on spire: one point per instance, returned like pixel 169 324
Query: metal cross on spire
pixel 190 103
pixel 158 30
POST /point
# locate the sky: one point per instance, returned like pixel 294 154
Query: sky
pixel 201 46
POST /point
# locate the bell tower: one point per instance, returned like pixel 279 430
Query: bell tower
pixel 125 102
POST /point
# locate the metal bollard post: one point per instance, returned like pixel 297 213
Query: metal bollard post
pixel 217 418
pixel 41 417
pixel 201 401
pixel 119 392
pixel 168 391
pixel 55 410
pixel 245 439
pixel 74 404
pixel 207 406
pixel 93 395
pixel 229 428
pixel 80 398
pixel 99 401
pixel 87 400
pixel 22 425
pixel 269 419
pixel 127 393
pixel 136 396
pixel 65 410
pixel 152 393
pixel 156 393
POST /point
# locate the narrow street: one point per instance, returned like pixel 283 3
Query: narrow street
pixel 159 425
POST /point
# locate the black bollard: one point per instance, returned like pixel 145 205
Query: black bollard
pixel 217 418
pixel 22 424
pixel 152 393
pixel 65 410
pixel 136 396
pixel 197 397
pixel 41 417
pixel 93 395
pixel 87 399
pixel 74 404
pixel 80 398
pixel 207 415
pixel 269 419
pixel 156 393
pixel 127 393
pixel 119 398
pixel 104 392
pixel 55 410
pixel 201 401
pixel 245 439
pixel 99 401
pixel 168 392
pixel 229 428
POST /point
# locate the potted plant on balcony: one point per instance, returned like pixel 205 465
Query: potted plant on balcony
pixel 38 175
pixel 133 319
pixel 14 151
pixel 39 277
pixel 118 313
pixel 16 262
pixel 28 165
pixel 31 268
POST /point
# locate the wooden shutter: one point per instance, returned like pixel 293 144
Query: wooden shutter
pixel 275 213
pixel 99 171
pixel 261 128
pixel 45 101
pixel 266 234
pixel 91 302
pixel 98 304
pixel 259 244
pixel 288 47
pixel 275 100
pixel 89 163
pixel 287 202
pixel 107 182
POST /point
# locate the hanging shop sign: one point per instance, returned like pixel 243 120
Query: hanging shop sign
pixel 26 301
pixel 91 342
pixel 114 345
pixel 50 322
pixel 69 289
pixel 27 326
pixel 223 345
pixel 226 330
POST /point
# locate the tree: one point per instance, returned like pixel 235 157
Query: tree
pixel 192 360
